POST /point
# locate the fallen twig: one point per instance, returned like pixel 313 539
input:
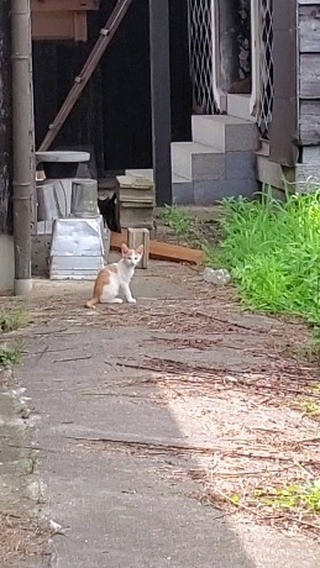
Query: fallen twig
pixel 71 359
pixel 154 446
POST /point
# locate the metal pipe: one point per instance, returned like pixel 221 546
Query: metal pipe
pixel 23 147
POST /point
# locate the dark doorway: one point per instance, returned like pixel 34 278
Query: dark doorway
pixel 235 45
pixel 113 115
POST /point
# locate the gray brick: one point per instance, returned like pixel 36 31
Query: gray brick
pixel 245 187
pixel 197 161
pixel 241 137
pixel 208 192
pixel 208 166
pixel 183 193
pixel 240 165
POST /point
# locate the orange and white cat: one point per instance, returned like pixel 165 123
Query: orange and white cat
pixel 115 278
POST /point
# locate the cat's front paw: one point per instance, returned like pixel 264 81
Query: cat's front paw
pixel 132 301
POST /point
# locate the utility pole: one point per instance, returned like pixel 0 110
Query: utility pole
pixel 161 99
pixel 5 113
pixel 23 142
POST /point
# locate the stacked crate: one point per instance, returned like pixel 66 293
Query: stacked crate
pixel 136 202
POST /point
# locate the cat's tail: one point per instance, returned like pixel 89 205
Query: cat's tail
pixel 92 303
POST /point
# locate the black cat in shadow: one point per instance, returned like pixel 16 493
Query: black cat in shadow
pixel 108 210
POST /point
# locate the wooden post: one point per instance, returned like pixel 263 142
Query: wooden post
pixel 284 125
pixel 160 99
pixel 5 130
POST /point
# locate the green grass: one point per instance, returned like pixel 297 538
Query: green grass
pixel 10 355
pixel 13 319
pixel 305 495
pixel 188 227
pixel 273 252
pixel 178 220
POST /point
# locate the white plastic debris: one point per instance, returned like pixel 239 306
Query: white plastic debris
pixel 219 277
pixel 57 529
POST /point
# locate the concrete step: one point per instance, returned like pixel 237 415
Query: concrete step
pixel 197 161
pixel 239 105
pixel 212 191
pixel 182 187
pixel 148 174
pixel 225 132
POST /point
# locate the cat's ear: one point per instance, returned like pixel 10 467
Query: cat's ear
pixel 124 249
pixel 139 250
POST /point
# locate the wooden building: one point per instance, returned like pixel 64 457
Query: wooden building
pixel 244 70
pixel 245 93
pixel 113 115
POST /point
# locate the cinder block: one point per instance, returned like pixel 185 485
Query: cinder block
pixel 137 237
pixel 208 166
pixel 240 165
pixel 197 161
pixel 240 187
pixel 182 192
pixel 307 178
pixel 209 192
pixel 209 130
pixel 311 155
pixel 241 137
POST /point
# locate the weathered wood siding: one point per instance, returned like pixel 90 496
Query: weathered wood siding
pixel 309 71
pixel 5 118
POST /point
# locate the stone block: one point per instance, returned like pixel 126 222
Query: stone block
pixel 240 165
pixel 137 237
pixel 182 192
pixel 197 161
pixel 208 166
pixel 209 192
pixel 241 137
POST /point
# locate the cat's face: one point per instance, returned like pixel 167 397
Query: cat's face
pixel 132 256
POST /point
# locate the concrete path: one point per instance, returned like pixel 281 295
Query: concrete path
pixel 107 443
pixel 98 432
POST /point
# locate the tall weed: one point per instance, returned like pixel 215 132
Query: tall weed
pixel 273 252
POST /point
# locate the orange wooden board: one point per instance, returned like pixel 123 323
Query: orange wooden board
pixel 162 251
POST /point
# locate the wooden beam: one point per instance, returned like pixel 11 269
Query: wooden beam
pixel 162 251
pixel 63 6
pixel 59 25
pixel 160 99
